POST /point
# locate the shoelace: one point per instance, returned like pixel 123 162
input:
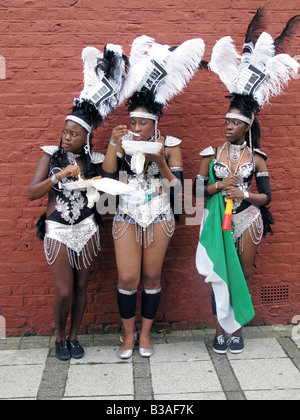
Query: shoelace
pixel 221 339
pixel 234 339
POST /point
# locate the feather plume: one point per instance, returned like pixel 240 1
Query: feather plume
pixel 138 61
pixel 224 62
pixel 282 41
pixel 279 70
pixel 140 49
pixel 112 65
pixel 89 56
pixel 256 27
pixel 180 65
pixel 263 51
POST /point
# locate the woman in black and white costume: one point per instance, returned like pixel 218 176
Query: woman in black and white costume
pixel 260 73
pixel 142 230
pixel 70 228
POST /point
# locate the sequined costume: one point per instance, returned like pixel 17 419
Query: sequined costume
pixel 72 223
pixel 245 216
pixel 157 209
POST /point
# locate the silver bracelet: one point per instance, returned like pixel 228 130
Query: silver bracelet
pixel 216 185
pixel 54 180
pixel 246 195
pixel 113 143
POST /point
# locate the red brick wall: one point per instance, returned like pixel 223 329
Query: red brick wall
pixel 42 42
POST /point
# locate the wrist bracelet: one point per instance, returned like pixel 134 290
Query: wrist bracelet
pixel 54 180
pixel 113 143
pixel 216 185
pixel 246 195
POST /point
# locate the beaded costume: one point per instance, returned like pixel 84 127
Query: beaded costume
pixel 157 209
pixel 72 223
pixel 245 215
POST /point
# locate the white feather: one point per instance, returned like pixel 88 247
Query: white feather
pixel 140 49
pixel 180 65
pixel 224 62
pixel 89 57
pixel 263 51
pixel 92 80
pixel 139 59
pixel 279 70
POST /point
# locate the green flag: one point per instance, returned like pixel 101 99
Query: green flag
pixel 218 262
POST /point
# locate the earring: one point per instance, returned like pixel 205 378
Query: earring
pixel 87 149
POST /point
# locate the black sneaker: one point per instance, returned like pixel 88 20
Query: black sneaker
pixel 220 345
pixel 76 351
pixel 62 351
pixel 236 344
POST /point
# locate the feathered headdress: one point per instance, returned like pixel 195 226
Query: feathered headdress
pixel 104 74
pixel 263 70
pixel 159 72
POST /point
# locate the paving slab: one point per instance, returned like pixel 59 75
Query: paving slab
pixel 100 355
pixel 266 374
pixel 184 377
pixel 259 348
pixel 184 367
pixel 92 380
pixel 180 352
pixel 21 372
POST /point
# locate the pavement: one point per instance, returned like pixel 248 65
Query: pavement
pixel 184 367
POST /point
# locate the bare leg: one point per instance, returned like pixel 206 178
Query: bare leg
pixel 129 260
pixel 153 258
pixel 62 275
pixel 79 301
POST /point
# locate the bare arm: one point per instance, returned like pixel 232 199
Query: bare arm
pixel 41 184
pixel 110 162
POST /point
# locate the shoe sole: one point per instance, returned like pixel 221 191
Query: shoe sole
pixel 236 351
pixel 63 358
pixel 219 351
pixel 77 357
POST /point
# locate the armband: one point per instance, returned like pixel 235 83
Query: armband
pixel 54 180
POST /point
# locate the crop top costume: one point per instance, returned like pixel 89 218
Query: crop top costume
pixel 245 216
pixel 72 223
pixel 158 208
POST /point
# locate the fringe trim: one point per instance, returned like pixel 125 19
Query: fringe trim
pixel 52 248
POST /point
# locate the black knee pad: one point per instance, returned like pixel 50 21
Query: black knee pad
pixel 127 303
pixel 150 302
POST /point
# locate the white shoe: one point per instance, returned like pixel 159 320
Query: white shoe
pixel 146 352
pixel 125 354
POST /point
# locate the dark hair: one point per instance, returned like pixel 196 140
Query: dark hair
pixel 145 99
pixel 248 106
pixel 60 159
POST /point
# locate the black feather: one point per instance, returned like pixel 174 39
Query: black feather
pixel 204 65
pixel 256 27
pixel 282 41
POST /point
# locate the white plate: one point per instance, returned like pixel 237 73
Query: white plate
pixel 107 185
pixel 131 147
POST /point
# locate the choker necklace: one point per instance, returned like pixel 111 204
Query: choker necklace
pixel 235 151
pixel 72 157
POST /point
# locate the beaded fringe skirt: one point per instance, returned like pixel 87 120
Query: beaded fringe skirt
pixel 82 241
pixel 144 235
pixel 250 219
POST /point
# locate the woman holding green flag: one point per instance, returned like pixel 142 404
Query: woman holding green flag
pixel 262 71
pixel 228 173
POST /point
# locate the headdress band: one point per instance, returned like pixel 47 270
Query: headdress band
pixel 79 121
pixel 240 117
pixel 145 115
